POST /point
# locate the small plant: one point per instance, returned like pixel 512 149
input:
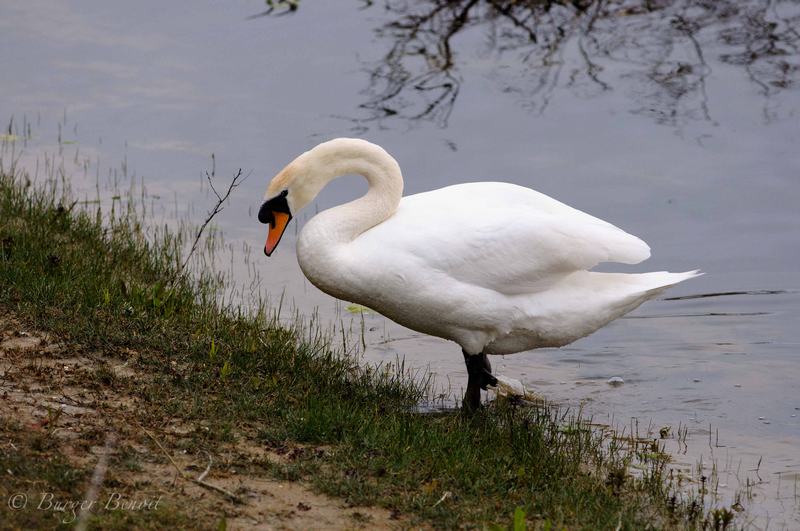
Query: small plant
pixel 519 519
pixel 721 519
pixel 225 371
pixel 616 478
pixel 212 351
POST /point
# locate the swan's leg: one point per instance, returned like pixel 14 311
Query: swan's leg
pixel 479 371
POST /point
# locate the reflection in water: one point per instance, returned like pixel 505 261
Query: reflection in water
pixel 729 293
pixel 278 7
pixel 581 45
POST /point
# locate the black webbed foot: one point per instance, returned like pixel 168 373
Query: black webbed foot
pixel 479 371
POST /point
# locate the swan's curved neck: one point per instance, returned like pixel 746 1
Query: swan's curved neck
pixel 344 223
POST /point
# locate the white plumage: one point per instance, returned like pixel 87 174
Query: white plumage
pixel 497 268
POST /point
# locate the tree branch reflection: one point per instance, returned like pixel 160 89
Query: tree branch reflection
pixel 538 47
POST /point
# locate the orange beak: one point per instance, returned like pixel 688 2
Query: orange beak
pixel 277 227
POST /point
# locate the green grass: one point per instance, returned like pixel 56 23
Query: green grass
pixel 107 287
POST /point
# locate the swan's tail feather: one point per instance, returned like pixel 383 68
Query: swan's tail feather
pixel 657 281
pixel 615 294
pixel 581 303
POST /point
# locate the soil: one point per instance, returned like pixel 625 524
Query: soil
pixel 83 403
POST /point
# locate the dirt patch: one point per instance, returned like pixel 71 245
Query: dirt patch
pixel 82 406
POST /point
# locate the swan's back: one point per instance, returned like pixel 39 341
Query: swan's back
pixel 498 236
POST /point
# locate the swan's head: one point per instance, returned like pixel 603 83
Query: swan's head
pixel 289 191
pixel 299 183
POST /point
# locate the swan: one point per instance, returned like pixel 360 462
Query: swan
pixel 495 267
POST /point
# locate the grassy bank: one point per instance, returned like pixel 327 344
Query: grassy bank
pixel 234 380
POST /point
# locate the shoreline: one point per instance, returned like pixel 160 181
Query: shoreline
pixel 205 382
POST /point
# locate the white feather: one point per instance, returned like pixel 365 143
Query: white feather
pixel 497 268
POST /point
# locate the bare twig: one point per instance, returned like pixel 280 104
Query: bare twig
pixel 236 181
pixel 205 472
pixel 98 477
pixel 446 495
pixel 199 481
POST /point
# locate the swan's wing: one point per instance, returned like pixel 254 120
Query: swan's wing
pixel 499 236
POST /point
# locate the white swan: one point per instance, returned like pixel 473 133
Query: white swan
pixel 495 267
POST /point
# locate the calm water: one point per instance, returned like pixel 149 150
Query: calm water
pixel 680 125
